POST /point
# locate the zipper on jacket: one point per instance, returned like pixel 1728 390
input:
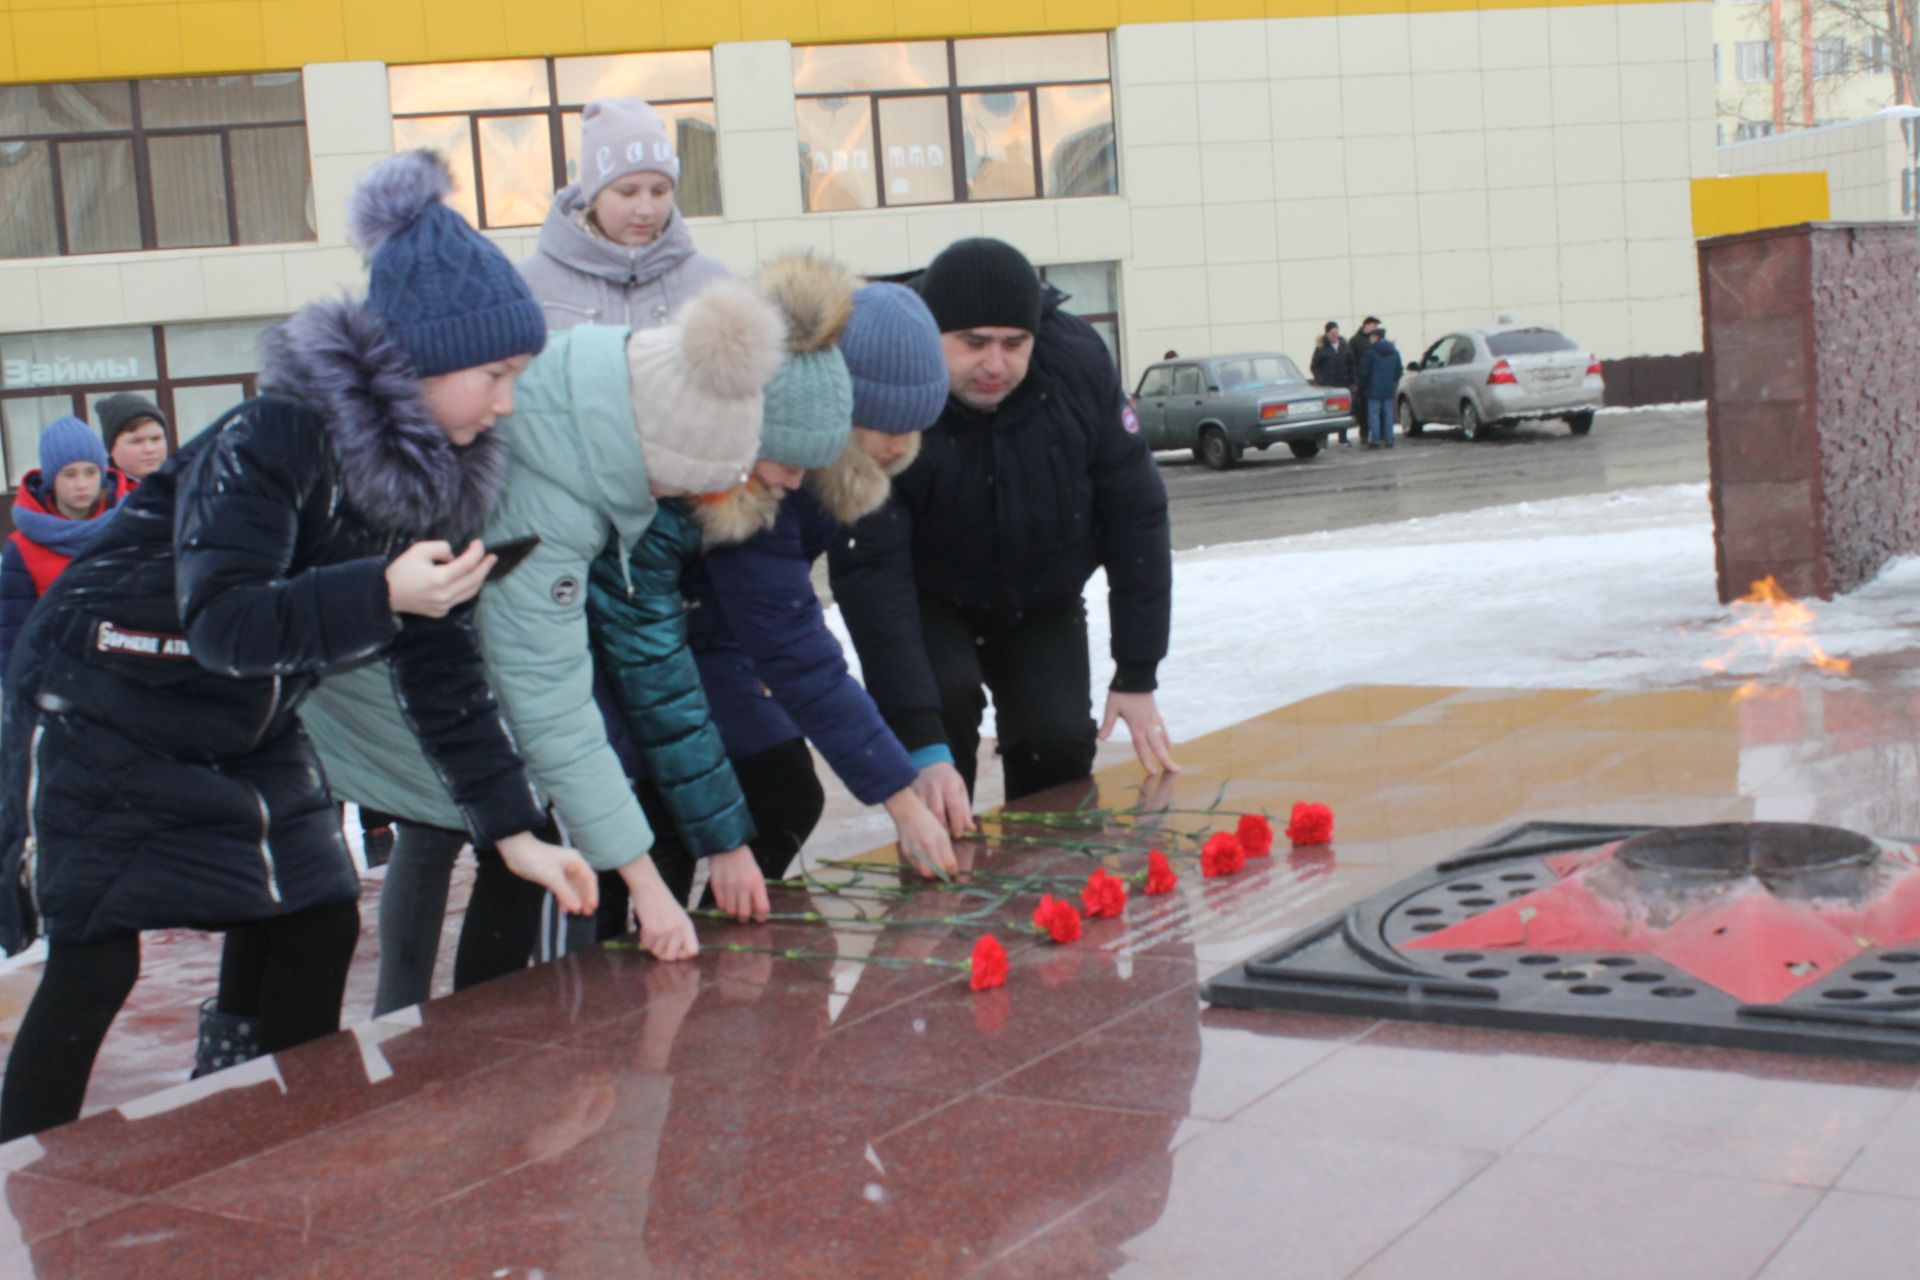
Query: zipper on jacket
pixel 32 864
pixel 273 705
pixel 266 850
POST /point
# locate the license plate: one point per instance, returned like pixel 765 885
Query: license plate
pixel 1552 375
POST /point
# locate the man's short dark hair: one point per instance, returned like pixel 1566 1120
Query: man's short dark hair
pixel 1331 325
pixel 1371 320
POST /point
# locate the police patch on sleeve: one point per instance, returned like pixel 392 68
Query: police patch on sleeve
pixel 1130 420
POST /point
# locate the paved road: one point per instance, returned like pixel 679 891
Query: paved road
pixel 1273 494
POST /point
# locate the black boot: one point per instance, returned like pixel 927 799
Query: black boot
pixel 226 1040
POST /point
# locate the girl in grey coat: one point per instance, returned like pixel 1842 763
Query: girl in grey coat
pixel 614 250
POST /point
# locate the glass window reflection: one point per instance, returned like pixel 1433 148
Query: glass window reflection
pixel 451 137
pixel 654 76
pixel 468 86
pixel 1030 59
pixel 836 152
pixel 1076 140
pixel 27 214
pixel 997 130
pixel 189 191
pixel 915 134
pixel 215 100
pixel 849 68
pixel 103 211
pixel 516 167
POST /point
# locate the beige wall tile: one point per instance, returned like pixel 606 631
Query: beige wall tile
pixel 1654 32
pixel 1310 168
pixel 1162 175
pixel 783 235
pixel 1096 230
pixel 1591 213
pixel 1235 171
pixel 759 177
pixel 1601 327
pixel 1313 230
pixel 245 284
pixel 1153 53
pixel 1517 98
pixel 1662 269
pixel 1523 216
pixel 1241 233
pixel 312 274
pixel 1586 95
pixel 80 295
pixel 1380 166
pixel 753 86
pixel 1387 285
pixel 1697 17
pixel 347 108
pixel 1593 272
pixel 1653 151
pixel 1664 326
pixel 1444 41
pixel 1462 280
pixel 1655 91
pixel 19 297
pixel 1175 297
pixel 873 243
pixel 1452 162
pixel 734 243
pixel 1171 236
pixel 1306 108
pixel 1658 210
pixel 1587 153
pixel 1029 225
pixel 333 179
pixel 1584 36
pixel 157 288
pixel 1383 225
pixel 931 230
pixel 1236 111
pixel 1524 278
pixel 1454 220
pixel 1244 293
pixel 1371 106
pixel 1447 101
pixel 1159 115
pixel 1303 48
pixel 1230 49
pixel 1375 44
pixel 1514 38
pixel 1314 292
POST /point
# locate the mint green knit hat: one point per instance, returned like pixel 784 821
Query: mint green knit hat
pixel 809 411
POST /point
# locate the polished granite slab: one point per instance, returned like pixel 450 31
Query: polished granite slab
pixel 852 1108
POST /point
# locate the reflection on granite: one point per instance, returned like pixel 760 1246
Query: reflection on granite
pixel 829 1098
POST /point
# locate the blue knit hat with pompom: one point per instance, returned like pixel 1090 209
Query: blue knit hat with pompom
pixel 446 293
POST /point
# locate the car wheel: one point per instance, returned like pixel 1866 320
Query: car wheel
pixel 1581 422
pixel 1471 427
pixel 1304 448
pixel 1409 425
pixel 1216 450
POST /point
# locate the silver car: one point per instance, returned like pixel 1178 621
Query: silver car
pixel 1482 378
pixel 1221 406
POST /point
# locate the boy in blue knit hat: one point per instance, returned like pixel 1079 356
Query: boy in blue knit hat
pixel 59 509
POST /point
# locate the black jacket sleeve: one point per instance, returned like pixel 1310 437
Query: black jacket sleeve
pixel 236 536
pixel 441 681
pixel 870 571
pixel 1131 529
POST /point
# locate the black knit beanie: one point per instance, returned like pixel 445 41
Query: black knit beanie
pixel 981 283
pixel 117 413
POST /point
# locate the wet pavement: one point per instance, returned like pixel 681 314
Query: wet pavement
pixel 852 1108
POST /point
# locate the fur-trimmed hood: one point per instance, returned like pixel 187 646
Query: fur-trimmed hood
pixel 849 488
pixel 399 471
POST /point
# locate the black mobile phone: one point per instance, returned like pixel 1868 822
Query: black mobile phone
pixel 510 553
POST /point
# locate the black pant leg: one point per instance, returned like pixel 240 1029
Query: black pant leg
pixel 80 993
pixel 301 977
pixel 1039 672
pixel 785 798
pixel 503 919
pixel 953 648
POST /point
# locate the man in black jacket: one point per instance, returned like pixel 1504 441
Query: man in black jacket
pixel 1332 363
pixel 1355 350
pixel 970 578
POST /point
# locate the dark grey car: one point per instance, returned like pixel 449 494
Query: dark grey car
pixel 1221 406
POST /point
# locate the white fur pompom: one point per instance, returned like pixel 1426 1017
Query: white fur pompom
pixel 392 194
pixel 732 340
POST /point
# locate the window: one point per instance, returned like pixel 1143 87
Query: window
pixel 1748 130
pixel 941 121
pixel 1879 56
pixel 1830 56
pixel 1154 382
pixel 153 164
pixel 1187 381
pixel 1716 64
pixel 1529 342
pixel 194 372
pixel 1092 294
pixel 510 130
pixel 1753 61
pixel 1462 350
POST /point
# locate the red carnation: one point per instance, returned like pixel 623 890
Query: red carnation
pixel 1160 877
pixel 1221 855
pixel 1255 835
pixel 1310 824
pixel 989 964
pixel 1104 895
pixel 1057 919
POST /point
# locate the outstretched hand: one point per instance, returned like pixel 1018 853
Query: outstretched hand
pixel 557 869
pixel 1152 743
pixel 942 789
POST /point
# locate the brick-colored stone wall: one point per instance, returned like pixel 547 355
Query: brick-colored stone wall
pixel 1813 396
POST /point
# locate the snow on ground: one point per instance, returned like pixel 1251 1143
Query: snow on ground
pixel 1610 591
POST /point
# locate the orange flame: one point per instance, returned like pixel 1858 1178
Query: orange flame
pixel 1769 623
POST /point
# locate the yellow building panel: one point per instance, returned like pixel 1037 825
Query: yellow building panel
pixel 1302 8
pixel 622 25
pixel 1082 15
pixel 856 20
pixel 296 32
pixel 699 24
pixel 463 29
pixel 1007 17
pixel 55 44
pixel 6 48
pixel 1788 199
pixel 1210 10
pixel 917 19
pixel 385 30
pixel 1350 8
pixel 139 42
pixel 797 21
pixel 223 36
pixel 550 27
pixel 28 6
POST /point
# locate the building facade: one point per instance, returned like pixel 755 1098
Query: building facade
pixel 1201 175
pixel 1786 65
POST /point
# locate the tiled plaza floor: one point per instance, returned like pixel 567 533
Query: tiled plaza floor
pixel 754 1115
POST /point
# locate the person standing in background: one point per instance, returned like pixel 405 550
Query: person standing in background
pixel 59 510
pixel 1356 349
pixel 136 433
pixel 1332 363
